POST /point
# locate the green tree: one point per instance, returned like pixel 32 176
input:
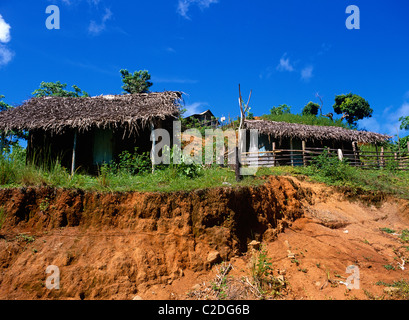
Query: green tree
pixel 11 138
pixel 281 109
pixel 403 142
pixel 311 109
pixel 352 107
pixel 58 89
pixel 3 106
pixel 404 123
pixel 138 82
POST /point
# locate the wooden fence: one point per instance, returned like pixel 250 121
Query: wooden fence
pixel 304 157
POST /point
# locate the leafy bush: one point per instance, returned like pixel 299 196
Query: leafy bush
pixel 330 167
pixel 190 170
pixel 184 168
pixel 280 110
pixel 134 163
pixel 401 145
pixel 311 109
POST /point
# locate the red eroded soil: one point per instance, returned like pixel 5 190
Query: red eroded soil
pixel 158 245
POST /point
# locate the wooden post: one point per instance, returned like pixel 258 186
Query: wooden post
pixel 153 146
pixel 74 150
pixel 377 156
pixel 408 148
pixel 382 157
pixel 304 159
pixel 340 155
pixel 274 154
pixel 396 159
pixel 291 152
pixel 354 148
pixel 237 167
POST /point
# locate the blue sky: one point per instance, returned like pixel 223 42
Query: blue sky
pixel 284 51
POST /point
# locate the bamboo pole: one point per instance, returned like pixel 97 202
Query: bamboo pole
pixel 304 160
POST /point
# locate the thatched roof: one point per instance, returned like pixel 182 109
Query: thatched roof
pixel 58 113
pixel 282 130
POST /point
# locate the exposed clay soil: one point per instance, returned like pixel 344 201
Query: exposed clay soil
pixel 159 245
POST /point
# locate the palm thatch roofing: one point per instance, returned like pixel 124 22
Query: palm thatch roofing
pixel 56 114
pixel 283 130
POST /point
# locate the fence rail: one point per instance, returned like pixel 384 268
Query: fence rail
pixel 306 156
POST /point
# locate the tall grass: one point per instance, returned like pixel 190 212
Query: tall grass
pixel 15 172
pixel 121 176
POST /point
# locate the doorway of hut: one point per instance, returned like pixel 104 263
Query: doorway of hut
pixel 102 146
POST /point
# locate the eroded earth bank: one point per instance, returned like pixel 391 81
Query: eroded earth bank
pixel 172 245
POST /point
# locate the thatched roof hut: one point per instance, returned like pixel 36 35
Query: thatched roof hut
pixel 88 131
pixel 303 132
pixel 56 114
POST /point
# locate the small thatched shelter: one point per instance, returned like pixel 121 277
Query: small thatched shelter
pixel 204 119
pixel 321 135
pixel 88 131
pixel 293 136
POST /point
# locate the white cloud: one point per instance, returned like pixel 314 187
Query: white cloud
pixel 388 122
pixel 306 73
pixel 4 30
pixel 5 53
pixel 184 6
pixel 370 124
pixel 96 28
pixel 285 64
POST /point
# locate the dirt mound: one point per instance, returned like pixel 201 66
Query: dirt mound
pixel 117 245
